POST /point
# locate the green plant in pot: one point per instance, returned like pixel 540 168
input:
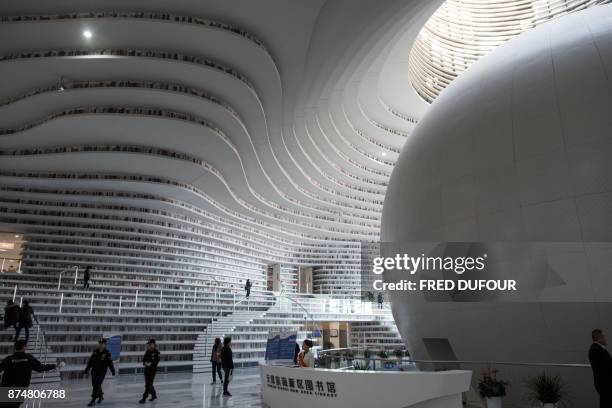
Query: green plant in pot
pixel 399 354
pixel 367 355
pixel 491 388
pixel 546 390
pixel 349 355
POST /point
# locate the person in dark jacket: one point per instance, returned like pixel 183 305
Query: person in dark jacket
pixel 17 369
pixel 11 315
pixel 26 313
pixel 98 363
pixel 227 361
pixel 601 363
pixel 215 360
pixel 150 361
pixel 296 353
pixel 247 287
pixel 380 300
pixel 86 277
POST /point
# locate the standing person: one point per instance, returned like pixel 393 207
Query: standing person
pixel 306 358
pixel 11 315
pixel 86 277
pixel 26 313
pixel 215 359
pixel 601 363
pixel 18 369
pixel 227 361
pixel 247 287
pixel 296 353
pixel 150 361
pixel 99 362
pixel 380 300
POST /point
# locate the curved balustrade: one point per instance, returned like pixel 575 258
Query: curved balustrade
pixel 170 56
pixel 163 17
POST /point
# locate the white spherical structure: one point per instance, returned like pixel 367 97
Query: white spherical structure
pixel 517 149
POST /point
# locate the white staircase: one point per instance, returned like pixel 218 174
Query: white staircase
pixel 221 327
pixel 39 349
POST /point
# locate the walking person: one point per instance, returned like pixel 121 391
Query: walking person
pixel 26 313
pixel 247 287
pixel 11 315
pixel 150 361
pixel 380 300
pixel 215 359
pixel 18 369
pixel 601 363
pixel 86 277
pixel 98 363
pixel 227 361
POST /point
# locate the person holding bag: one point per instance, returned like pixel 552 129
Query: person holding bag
pixel 215 359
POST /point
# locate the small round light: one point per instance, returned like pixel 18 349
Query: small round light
pixel 383 154
pixel 16 236
pixel 87 34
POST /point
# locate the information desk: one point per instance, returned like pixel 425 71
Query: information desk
pixel 284 387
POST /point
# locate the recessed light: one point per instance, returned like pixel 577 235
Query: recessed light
pixel 383 154
pixel 16 236
pixel 87 34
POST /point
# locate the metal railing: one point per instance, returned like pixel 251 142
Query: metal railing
pixel 9 263
pixel 334 354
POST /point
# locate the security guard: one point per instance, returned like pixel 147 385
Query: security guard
pixel 150 361
pixel 99 362
pixel 18 368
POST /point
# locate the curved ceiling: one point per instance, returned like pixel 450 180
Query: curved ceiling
pixel 460 32
pixel 267 128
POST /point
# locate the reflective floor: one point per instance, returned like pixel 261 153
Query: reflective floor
pixel 179 390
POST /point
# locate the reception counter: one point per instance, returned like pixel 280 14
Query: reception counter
pixel 284 387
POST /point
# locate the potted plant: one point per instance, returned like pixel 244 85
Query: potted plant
pixel 492 389
pixel 399 354
pixel 349 356
pixel 547 391
pixel 383 354
pixel 337 357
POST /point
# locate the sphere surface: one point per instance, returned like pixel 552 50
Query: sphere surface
pixel 517 149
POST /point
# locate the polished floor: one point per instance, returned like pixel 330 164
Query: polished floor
pixel 178 390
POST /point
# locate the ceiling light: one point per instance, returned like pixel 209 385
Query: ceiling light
pixel 87 34
pixel 383 154
pixel 16 236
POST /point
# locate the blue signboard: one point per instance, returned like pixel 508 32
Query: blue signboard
pixel 113 344
pixel 281 346
pixel 272 347
pixel 287 345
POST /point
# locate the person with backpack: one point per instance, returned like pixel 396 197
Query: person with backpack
pixel 227 361
pixel 247 287
pixel 215 359
pixel 99 362
pixel 26 313
pixel 11 315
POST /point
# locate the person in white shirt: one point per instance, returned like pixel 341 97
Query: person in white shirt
pixel 306 358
